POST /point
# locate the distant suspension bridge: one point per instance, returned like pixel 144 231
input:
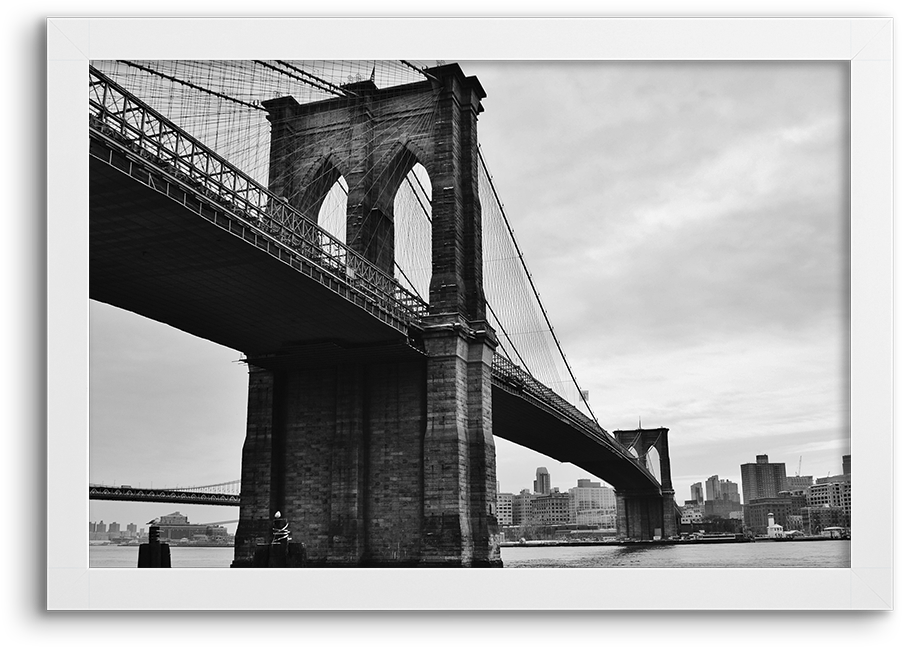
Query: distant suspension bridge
pixel 227 493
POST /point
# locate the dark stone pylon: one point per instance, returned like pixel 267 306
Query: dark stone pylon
pixel 386 462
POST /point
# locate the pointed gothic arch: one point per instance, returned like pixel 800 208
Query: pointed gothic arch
pixel 316 184
pixel 412 219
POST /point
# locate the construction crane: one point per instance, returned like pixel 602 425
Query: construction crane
pixel 799 470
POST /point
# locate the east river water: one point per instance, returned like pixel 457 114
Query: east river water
pixel 762 554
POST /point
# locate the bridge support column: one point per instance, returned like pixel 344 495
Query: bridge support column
pixel 641 515
pixel 385 463
pixel 256 469
pixel 336 448
pixel 459 517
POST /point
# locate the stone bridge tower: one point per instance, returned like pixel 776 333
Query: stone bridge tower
pixel 378 458
pixel 642 514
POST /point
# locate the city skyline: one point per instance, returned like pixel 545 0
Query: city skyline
pixel 825 457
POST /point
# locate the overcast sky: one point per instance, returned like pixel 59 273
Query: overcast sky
pixel 687 225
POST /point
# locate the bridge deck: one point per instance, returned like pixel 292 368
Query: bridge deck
pixel 207 274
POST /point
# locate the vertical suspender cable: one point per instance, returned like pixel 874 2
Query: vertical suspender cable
pixel 533 286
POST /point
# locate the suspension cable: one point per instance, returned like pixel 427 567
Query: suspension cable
pixel 190 85
pixel 420 70
pixel 533 285
pixel 341 92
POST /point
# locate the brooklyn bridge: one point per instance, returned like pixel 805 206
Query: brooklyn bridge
pixel 343 232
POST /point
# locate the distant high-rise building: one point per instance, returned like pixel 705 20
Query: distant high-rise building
pixel 542 484
pixel 712 488
pixel 761 480
pixel 847 464
pixel 101 527
pixel 729 491
pixel 696 493
pixel 718 489
pixel 114 527
pixel 132 530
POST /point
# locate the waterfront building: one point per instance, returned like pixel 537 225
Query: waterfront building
pixel 92 526
pixel 782 507
pixel 131 530
pixel 795 522
pixel 522 507
pixel 835 493
pixel 816 518
pixel 551 509
pixel 592 504
pixel 101 527
pixel 542 484
pixel 690 515
pixel 175 527
pixel 847 464
pixel 774 530
pixel 505 508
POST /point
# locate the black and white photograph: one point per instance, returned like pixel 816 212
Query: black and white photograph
pixel 386 318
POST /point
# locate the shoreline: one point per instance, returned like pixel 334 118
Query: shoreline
pixel 667 542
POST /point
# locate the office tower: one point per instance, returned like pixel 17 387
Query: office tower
pixel 696 493
pixel 762 479
pixel 542 484
pixel 712 488
pixel 729 491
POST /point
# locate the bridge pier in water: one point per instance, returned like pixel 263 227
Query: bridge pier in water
pixel 381 454
pixel 376 463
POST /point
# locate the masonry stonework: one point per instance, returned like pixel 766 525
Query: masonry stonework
pixel 644 514
pixel 388 463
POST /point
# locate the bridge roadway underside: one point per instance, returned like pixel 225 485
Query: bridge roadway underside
pixel 153 256
pixel 521 421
